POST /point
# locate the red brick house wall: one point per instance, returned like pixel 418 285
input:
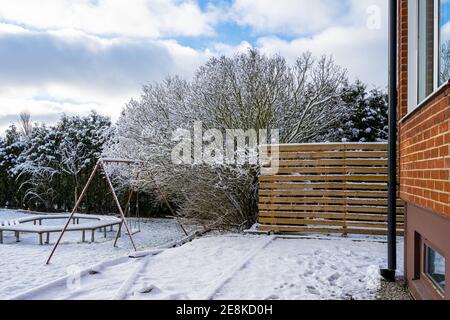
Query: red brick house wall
pixel 424 173
pixel 424 138
pixel 425 155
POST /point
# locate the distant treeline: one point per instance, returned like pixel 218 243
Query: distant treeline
pixel 44 168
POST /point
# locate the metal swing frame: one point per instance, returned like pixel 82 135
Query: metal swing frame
pixel 101 165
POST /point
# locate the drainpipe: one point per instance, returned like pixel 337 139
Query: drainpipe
pixel 389 273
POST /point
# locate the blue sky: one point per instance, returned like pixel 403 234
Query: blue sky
pixel 76 55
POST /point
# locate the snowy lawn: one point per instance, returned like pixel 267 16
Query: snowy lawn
pixel 22 265
pixel 237 267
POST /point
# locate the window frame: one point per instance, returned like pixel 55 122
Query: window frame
pixel 426 244
pixel 413 54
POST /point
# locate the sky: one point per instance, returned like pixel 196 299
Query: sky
pixel 73 56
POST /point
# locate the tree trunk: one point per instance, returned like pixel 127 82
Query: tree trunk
pixel 76 189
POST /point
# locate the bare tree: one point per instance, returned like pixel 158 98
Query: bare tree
pixel 252 91
pixel 73 156
pixel 38 185
pixel 25 123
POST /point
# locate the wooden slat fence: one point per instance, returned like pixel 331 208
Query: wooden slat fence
pixel 325 188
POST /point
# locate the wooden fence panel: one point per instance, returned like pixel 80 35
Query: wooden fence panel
pixel 325 188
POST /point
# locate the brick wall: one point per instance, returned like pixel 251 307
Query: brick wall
pixel 425 155
pixel 424 138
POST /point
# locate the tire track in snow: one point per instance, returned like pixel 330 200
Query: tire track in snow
pixel 123 288
pixel 87 275
pixel 212 290
pixel 62 282
pixel 127 285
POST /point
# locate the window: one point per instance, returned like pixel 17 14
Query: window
pixel 444 41
pixel 429 48
pixel 435 267
pixel 425 50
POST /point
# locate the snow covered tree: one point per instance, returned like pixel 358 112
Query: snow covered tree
pixel 37 167
pixel 247 91
pixel 10 149
pixel 366 119
pixel 81 141
pixel 253 91
pixel 57 159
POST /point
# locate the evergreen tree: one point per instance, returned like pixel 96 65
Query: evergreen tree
pixel 56 161
pixel 10 149
pixel 367 118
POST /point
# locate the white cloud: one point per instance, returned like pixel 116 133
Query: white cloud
pixel 289 16
pixel 72 57
pixel 76 55
pixel 220 49
pixel 445 32
pixel 49 73
pixel 133 18
pixel 47 102
pixel 360 10
pixel 343 29
pixel 302 17
pixel 363 53
pixel 6 28
pixel 185 60
pixel 42 111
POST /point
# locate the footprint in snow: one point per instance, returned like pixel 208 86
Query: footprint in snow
pixel 313 290
pixel 149 289
pixel 308 273
pixel 333 278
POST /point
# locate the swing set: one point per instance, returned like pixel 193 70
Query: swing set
pixel 132 227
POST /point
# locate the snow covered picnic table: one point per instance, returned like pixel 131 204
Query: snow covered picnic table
pixel 20 225
pixel 234 266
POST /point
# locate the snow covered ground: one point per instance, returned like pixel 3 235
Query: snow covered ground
pixel 22 265
pixel 230 266
pixel 249 267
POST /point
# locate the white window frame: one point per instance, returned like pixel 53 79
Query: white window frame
pixel 413 55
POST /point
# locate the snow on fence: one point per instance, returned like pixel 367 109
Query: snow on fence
pixel 325 188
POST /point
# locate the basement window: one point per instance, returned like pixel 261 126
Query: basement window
pixel 435 267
